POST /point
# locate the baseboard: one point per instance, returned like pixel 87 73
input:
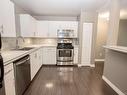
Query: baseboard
pixel 90 65
pixel 117 90
pixel 99 60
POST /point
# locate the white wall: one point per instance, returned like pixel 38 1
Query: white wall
pixel 91 17
pixel 102 30
pixel 122 36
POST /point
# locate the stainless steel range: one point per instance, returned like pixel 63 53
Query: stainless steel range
pixel 65 52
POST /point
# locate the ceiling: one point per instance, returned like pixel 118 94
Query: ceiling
pixel 59 7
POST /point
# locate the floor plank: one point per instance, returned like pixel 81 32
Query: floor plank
pixel 52 80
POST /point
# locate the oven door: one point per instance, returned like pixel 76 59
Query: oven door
pixel 65 55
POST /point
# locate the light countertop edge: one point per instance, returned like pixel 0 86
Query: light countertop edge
pixel 121 49
pixel 21 54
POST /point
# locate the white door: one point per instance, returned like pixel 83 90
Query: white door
pixel 87 43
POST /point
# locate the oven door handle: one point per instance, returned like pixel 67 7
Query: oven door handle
pixel 2 72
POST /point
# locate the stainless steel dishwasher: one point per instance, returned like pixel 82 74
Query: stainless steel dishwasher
pixel 22 74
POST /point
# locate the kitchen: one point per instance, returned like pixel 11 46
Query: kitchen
pixel 37 43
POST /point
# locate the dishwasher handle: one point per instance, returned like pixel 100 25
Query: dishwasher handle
pixel 22 61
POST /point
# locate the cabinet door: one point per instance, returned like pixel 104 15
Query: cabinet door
pixel 74 26
pixel 8 16
pixel 33 27
pixel 42 28
pixel 87 43
pixel 39 58
pixel 49 56
pixel 34 64
pixel 53 28
pixel 76 56
pixel 9 80
pixel 27 25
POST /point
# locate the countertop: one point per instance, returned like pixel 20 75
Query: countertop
pixel 10 56
pixel 121 49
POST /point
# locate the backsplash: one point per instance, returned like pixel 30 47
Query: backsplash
pixel 10 42
pixel 52 41
pixel 44 41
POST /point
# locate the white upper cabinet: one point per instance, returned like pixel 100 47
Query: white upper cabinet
pixel 42 29
pixel 53 28
pixel 27 25
pixel 7 19
pixel 50 28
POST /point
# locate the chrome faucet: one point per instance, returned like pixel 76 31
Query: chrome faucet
pixel 17 41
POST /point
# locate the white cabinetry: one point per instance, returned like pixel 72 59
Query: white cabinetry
pixel 50 28
pixel 42 29
pixel 36 62
pixel 87 43
pixel 49 55
pixel 40 55
pixel 27 25
pixel 76 55
pixel 9 80
pixel 7 19
pixel 53 28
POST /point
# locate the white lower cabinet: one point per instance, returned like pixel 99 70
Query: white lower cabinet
pixel 49 55
pixel 35 62
pixel 40 58
pixel 9 80
pixel 76 55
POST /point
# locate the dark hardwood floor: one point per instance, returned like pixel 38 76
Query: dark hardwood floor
pixel 52 80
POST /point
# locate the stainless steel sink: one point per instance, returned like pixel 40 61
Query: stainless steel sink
pixel 25 48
